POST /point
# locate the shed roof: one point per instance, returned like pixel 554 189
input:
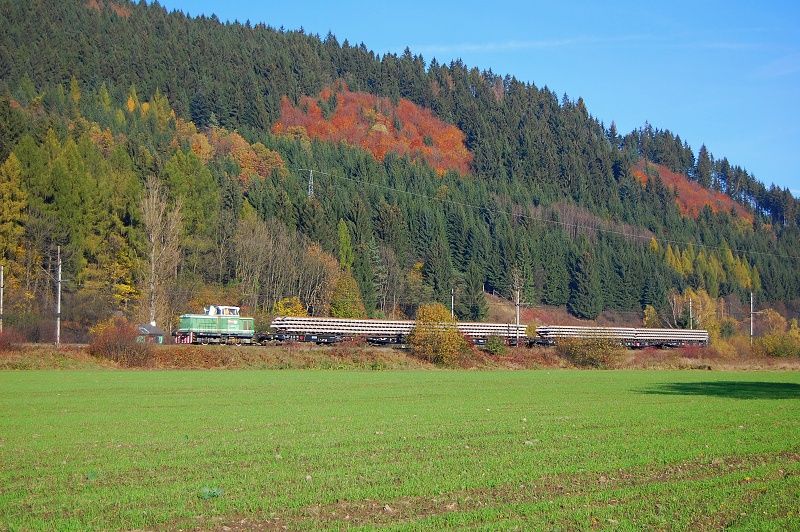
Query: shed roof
pixel 150 330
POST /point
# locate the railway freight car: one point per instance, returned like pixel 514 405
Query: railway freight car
pixel 391 332
pixel 217 325
pixel 626 336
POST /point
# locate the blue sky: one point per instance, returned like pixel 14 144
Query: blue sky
pixel 726 74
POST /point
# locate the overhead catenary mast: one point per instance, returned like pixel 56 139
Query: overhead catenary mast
pixel 58 301
pixel 2 293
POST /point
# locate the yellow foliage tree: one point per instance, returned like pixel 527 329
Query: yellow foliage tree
pixel 674 260
pixel 779 342
pixel 741 273
pixel 772 322
pixel 13 207
pixel 74 91
pixel 704 309
pixel 290 306
pixel 346 299
pixel 133 100
pixel 651 318
pixel 435 336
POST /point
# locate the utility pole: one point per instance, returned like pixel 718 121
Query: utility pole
pixel 452 303
pixel 310 192
pixel 58 301
pixel 2 290
pixel 751 319
pixel 691 316
pixel 516 303
pixel 753 312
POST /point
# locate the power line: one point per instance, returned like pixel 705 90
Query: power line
pixel 555 222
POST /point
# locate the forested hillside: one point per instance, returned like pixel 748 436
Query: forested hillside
pixel 169 158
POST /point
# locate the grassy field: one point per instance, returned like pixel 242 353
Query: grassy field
pixel 311 449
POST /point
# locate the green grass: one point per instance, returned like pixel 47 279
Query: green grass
pixel 311 449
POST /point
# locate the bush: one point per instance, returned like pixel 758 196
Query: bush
pixel 780 345
pixel 495 345
pixel 780 342
pixel 728 328
pixel 595 353
pixel 10 340
pixel 435 336
pixel 115 339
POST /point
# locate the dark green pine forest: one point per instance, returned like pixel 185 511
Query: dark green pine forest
pixel 143 144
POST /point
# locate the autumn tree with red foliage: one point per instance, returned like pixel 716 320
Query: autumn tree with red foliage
pixel 377 125
pixel 692 197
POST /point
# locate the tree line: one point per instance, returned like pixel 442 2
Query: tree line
pixel 93 118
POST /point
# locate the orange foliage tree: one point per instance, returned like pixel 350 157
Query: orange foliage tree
pixel 377 125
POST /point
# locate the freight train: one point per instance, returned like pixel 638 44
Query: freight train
pixel 386 332
pixel 224 325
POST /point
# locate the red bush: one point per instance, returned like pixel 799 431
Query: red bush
pixel 10 340
pixel 115 339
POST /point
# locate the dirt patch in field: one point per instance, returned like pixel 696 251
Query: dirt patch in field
pixel 370 513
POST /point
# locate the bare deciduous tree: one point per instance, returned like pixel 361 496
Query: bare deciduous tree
pixel 274 262
pixel 163 227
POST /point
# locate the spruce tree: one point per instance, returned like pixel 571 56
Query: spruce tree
pixel 471 302
pixel 585 298
pixel 704 167
pixel 555 289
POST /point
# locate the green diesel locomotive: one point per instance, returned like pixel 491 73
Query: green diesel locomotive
pixel 218 325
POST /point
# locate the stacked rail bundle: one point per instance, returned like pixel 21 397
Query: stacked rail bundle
pixel 628 336
pixel 349 327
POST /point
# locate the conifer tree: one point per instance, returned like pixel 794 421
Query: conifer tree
pixel 471 302
pixel 585 298
pixel 704 167
pixel 438 269
pixel 555 290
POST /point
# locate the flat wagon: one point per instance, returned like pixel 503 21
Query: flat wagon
pixel 390 332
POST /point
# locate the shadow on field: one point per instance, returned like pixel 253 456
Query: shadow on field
pixel 733 389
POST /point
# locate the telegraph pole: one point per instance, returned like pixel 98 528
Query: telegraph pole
pixel 751 319
pixel 2 290
pixel 452 303
pixel 58 301
pixel 753 312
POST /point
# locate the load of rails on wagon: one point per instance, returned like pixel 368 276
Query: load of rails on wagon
pixel 221 324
